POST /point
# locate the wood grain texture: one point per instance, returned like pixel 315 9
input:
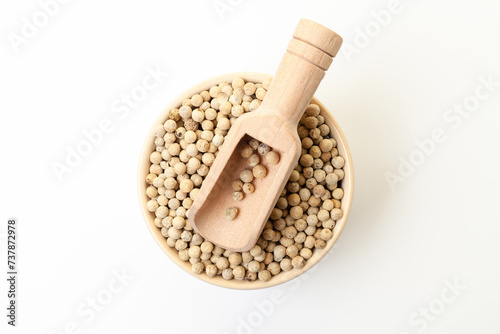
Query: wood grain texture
pixel 275 123
pixel 347 185
pixel 319 36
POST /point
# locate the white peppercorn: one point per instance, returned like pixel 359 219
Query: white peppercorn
pixel 155 157
pixel 211 270
pixel 336 214
pixel 231 213
pixel 238 196
pixel 161 211
pixel 239 272
pixel 197 268
pixel 338 193
pixel 338 162
pixel 246 176
pixel 253 160
pixel 286 264
pixel 224 123
pixel 259 171
pixel 286 242
pixel 250 276
pixel 246 151
pixel 260 257
pixel 227 273
pixel 194 251
pixel 207 247
pixel 205 256
pixel 237 185
pixel 298 262
pixel 300 238
pixel 186 185
pixel 320 244
pixel 214 91
pixel 246 257
pixel 253 266
pixel 340 173
pixel 180 244
pixel 326 234
pixel 279 253
pixel 196 100
pixel 268 234
pixel 296 212
pixel 276 213
pixel 178 223
pixel 222 263
pixel 254 143
pixel 249 88
pixel 292 251
pixel 248 188
pixel 264 275
pixel 274 268
pixel 237 110
pixel 151 191
pixel 254 105
pixel 263 149
pixel 235 259
pixel 260 93
pixel 183 255
pixel 289 232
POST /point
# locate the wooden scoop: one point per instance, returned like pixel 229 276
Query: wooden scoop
pixel 309 54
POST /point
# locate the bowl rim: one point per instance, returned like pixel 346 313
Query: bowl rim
pixel 282 277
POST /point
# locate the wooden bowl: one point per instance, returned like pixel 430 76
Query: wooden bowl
pixel 347 185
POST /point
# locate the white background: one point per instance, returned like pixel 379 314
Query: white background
pixel 401 246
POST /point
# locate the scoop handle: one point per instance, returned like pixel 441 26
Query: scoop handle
pixel 309 54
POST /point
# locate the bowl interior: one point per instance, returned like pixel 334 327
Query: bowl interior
pixel 347 186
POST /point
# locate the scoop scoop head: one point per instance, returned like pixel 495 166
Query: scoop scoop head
pixel 207 215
